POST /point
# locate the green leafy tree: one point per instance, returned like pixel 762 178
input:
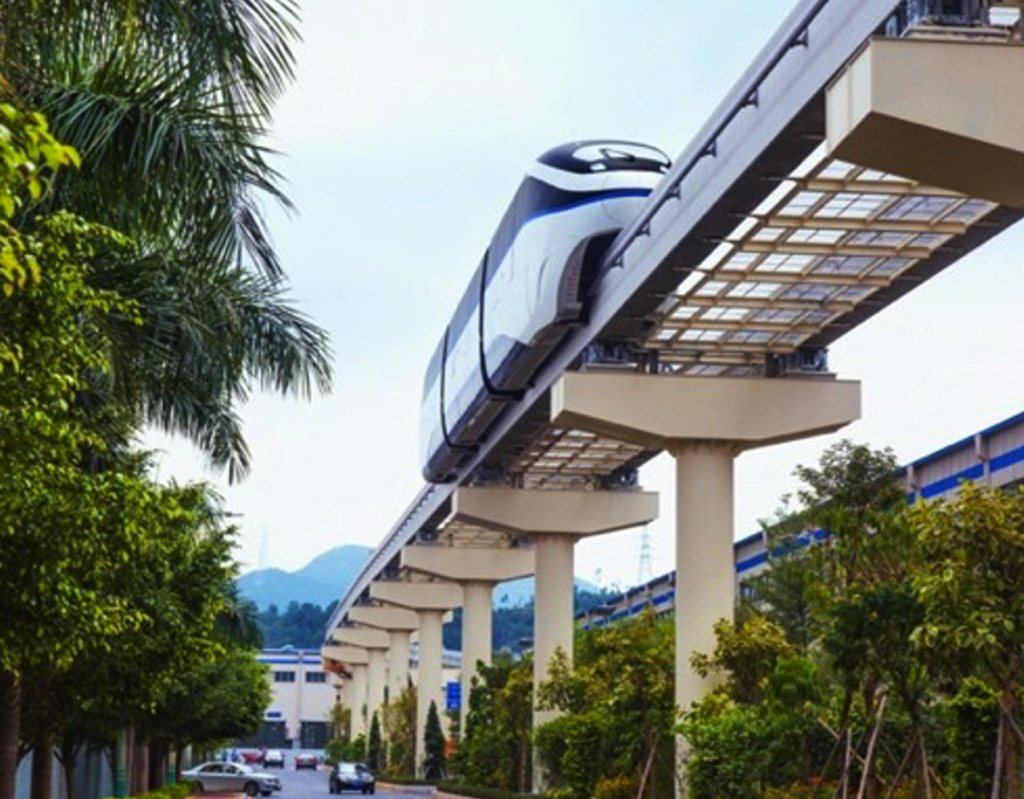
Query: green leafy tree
pixel 375 746
pixel 400 723
pixel 759 731
pixel 169 104
pixel 747 654
pixel 495 749
pixel 57 599
pixel 433 745
pixel 973 553
pixel 618 711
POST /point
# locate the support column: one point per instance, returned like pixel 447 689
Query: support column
pixel 398 663
pixel 704 422
pixel 359 695
pixel 429 675
pixel 553 621
pixel 477 634
pixel 705 565
pixel 376 680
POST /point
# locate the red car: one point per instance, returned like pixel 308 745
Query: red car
pixel 252 757
pixel 306 760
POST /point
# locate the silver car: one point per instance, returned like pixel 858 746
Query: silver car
pixel 232 778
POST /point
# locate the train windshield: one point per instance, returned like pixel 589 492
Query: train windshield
pixel 584 157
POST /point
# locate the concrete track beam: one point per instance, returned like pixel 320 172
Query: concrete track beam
pixel 362 637
pixel 466 563
pixel 441 596
pixel 349 655
pixel 948 114
pixel 383 618
pixel 573 513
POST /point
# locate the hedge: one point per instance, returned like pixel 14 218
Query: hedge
pixel 181 790
pixel 474 792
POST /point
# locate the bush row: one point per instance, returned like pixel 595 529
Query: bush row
pixel 474 792
pixel 181 790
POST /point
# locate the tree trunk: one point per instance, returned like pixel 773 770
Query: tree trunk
pixel 42 770
pixel 69 761
pixel 140 767
pixel 157 771
pixel 10 731
pixel 997 777
pixel 1011 757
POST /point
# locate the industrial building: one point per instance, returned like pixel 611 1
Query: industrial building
pixel 994 456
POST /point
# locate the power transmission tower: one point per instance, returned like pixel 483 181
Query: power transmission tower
pixel 645 571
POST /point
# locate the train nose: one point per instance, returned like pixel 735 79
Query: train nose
pixel 624 200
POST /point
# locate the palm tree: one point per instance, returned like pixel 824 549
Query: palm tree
pixel 168 102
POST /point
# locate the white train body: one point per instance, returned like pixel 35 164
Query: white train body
pixel 530 288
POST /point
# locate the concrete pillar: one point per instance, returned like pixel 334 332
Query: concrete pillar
pixel 704 423
pixel 477 624
pixel 705 567
pixel 358 697
pixel 398 663
pixel 377 675
pixel 553 622
pixel 429 681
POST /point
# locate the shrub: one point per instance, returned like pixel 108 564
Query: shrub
pixel 473 792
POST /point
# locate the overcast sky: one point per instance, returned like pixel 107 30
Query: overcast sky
pixel 406 134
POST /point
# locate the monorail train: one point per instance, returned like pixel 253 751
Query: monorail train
pixel 530 288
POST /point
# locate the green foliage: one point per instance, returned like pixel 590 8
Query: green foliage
pixel 57 596
pixel 759 731
pixel 168 104
pixel 618 705
pixel 334 751
pixel 495 749
pixel 477 792
pixel 375 747
pixel 180 790
pixel 971 739
pixel 747 654
pixel 433 745
pixel 512 626
pixel 400 723
pixel 301 625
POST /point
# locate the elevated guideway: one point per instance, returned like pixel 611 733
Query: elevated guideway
pixel 759 249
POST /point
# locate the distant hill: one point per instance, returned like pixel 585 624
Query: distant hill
pixel 328 576
pixel 321 581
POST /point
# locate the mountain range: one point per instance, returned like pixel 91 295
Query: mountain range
pixel 328 576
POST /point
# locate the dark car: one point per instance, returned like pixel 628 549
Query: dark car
pixel 352 777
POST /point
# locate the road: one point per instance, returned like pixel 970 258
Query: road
pixel 311 785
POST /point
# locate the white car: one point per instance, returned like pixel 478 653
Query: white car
pixel 232 778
